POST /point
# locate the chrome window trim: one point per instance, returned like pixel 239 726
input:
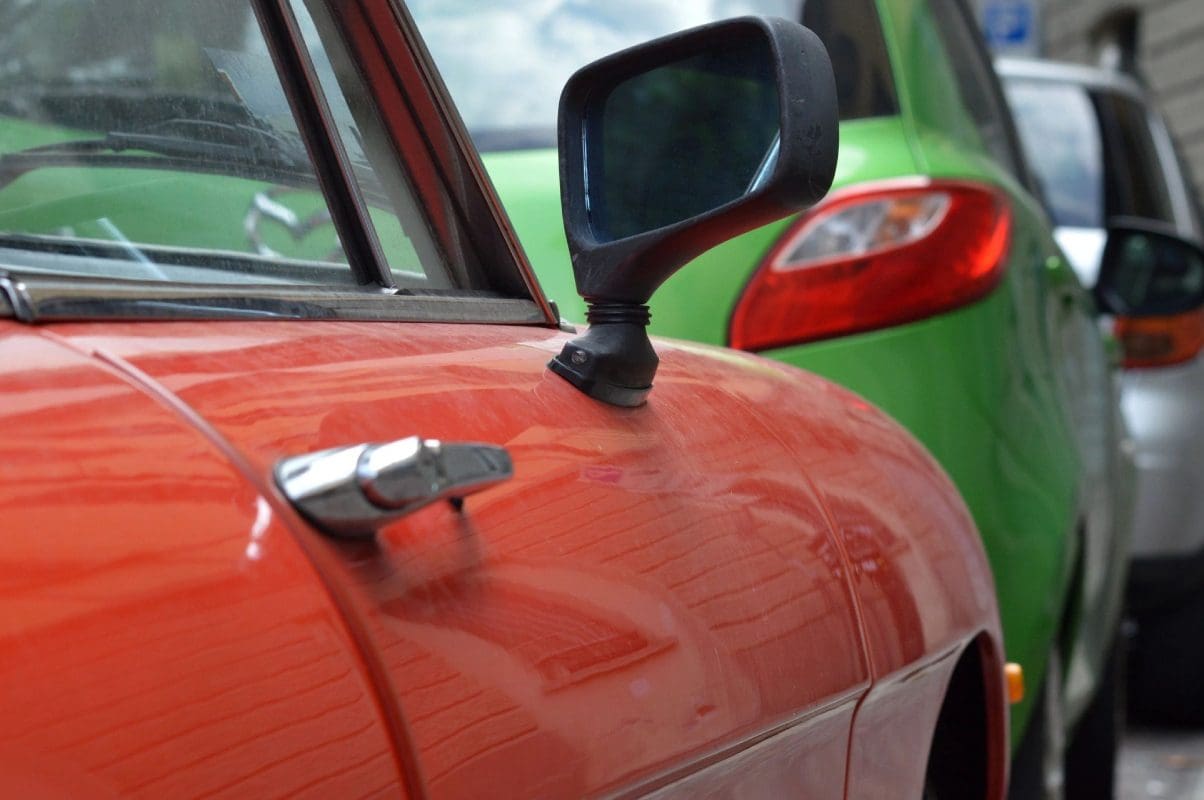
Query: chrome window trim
pixel 316 125
pixel 479 203
pixel 43 298
pixel 8 298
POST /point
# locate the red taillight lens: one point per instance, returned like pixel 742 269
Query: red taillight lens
pixel 1160 341
pixel 873 256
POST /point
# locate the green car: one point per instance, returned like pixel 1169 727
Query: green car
pixel 928 281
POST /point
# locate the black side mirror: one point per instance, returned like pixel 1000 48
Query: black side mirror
pixel 670 148
pixel 1147 270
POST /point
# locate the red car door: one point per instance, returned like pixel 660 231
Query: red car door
pixel 653 589
pixel 161 634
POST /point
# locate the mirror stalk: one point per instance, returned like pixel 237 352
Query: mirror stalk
pixel 614 360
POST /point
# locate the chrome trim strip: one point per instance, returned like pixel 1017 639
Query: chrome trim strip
pixel 54 299
pixel 474 188
pixel 16 302
pixel 299 80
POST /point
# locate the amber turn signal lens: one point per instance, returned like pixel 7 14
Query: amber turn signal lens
pixel 1014 673
pixel 1160 341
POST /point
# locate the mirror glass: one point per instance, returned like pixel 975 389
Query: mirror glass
pixel 1151 274
pixel 681 139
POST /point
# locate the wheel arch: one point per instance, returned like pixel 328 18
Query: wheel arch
pixel 968 757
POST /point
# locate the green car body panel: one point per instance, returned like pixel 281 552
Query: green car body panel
pixel 1012 394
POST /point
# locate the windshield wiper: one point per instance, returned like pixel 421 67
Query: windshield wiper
pixel 216 148
pixel 237 150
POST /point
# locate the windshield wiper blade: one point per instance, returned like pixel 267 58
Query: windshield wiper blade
pixel 243 151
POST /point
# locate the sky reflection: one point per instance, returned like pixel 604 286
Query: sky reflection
pixel 505 66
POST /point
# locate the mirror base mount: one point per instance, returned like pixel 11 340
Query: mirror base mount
pixel 614 360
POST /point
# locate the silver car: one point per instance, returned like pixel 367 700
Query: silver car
pixel 1101 152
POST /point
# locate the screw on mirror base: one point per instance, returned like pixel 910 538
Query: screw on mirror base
pixel 613 361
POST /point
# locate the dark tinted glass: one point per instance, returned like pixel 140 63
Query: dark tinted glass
pixel 682 140
pixel 976 82
pixel 1135 186
pixel 851 31
pixel 1146 274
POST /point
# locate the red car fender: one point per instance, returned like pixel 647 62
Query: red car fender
pixel 924 587
pixel 738 433
pixel 161 635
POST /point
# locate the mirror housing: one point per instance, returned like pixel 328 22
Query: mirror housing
pixel 1152 281
pixel 1148 270
pixel 622 253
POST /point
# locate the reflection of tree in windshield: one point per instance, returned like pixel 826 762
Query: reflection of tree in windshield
pixel 521 53
pixel 120 120
pixel 104 65
pixel 136 42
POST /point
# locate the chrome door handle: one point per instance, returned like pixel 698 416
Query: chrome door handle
pixel 353 491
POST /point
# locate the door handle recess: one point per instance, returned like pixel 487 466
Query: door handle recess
pixel 353 491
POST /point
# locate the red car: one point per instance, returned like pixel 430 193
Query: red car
pixel 305 492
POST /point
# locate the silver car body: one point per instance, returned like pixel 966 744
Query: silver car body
pixel 1162 406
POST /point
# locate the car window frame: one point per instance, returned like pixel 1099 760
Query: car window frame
pixel 1118 111
pixel 1185 200
pixel 457 202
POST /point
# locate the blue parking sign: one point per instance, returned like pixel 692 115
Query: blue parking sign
pixel 1009 24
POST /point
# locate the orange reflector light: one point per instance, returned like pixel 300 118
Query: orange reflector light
pixel 1160 341
pixel 1015 678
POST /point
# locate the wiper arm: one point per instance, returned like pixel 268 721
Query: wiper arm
pixel 231 149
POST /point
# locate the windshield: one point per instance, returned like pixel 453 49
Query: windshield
pixel 153 140
pixel 505 63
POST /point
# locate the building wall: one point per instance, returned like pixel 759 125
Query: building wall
pixel 1169 57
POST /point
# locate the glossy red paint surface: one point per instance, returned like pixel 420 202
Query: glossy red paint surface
pixel 917 570
pixel 161 634
pixel 660 597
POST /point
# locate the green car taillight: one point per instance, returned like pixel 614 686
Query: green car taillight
pixel 875 255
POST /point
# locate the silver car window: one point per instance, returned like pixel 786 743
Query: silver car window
pixel 1061 139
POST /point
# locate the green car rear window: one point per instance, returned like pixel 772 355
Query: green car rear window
pixel 507 82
